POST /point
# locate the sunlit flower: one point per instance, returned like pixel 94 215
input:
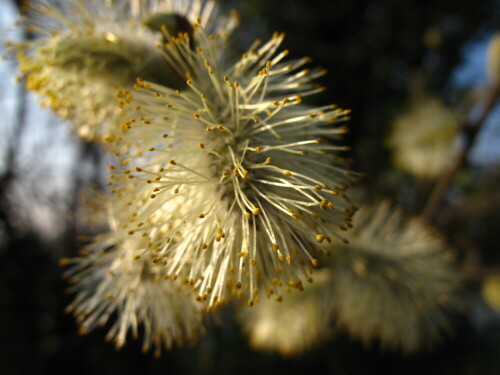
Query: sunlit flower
pixel 395 282
pixel 301 322
pixel 85 50
pixel 236 182
pixel 112 284
pixel 491 291
pixel 424 139
pixel 493 63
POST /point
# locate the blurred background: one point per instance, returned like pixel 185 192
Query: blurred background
pixel 381 56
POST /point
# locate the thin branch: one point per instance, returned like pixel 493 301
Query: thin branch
pixel 470 129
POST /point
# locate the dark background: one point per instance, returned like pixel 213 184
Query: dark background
pixel 376 52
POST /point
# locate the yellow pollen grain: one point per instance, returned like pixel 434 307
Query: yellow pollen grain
pixel 63 261
pixel 320 238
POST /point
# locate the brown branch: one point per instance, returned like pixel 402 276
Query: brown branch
pixel 470 129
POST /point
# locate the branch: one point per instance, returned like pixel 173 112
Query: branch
pixel 470 129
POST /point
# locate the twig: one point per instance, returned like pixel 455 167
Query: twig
pixel 470 129
pixel 422 188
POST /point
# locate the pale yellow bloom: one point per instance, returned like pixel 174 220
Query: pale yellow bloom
pixel 424 139
pixel 111 283
pixel 491 291
pixel 301 322
pixel 85 50
pixel 493 62
pixel 395 281
pixel 235 181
